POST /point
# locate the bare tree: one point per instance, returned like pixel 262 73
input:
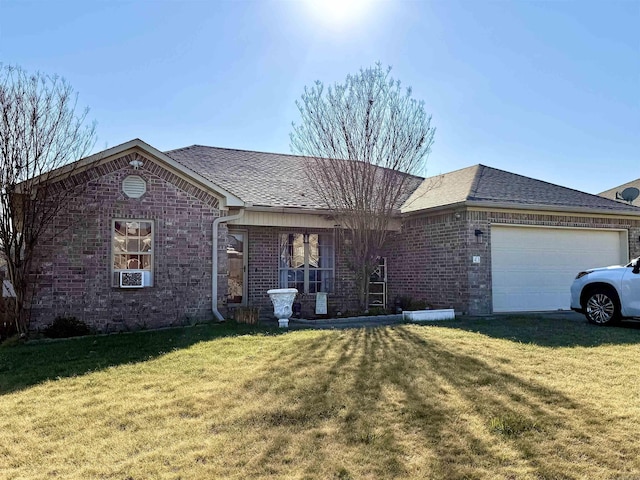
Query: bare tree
pixel 362 139
pixel 40 132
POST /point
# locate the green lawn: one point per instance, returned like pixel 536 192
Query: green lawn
pixel 510 398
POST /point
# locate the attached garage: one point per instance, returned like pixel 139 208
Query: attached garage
pixel 532 267
pixel 482 240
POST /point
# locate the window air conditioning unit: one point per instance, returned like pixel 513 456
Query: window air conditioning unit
pixel 132 279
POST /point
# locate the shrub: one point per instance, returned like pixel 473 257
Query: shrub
pixel 65 327
pixel 7 322
pixel 248 315
pixel 408 303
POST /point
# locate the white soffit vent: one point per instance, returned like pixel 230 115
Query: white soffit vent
pixel 134 186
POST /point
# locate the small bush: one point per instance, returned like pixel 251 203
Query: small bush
pixel 374 311
pixel 65 327
pixel 409 304
pixel 7 320
pixel 248 315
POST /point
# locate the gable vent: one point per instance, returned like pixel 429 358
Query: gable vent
pixel 134 186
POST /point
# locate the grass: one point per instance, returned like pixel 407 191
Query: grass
pixel 511 398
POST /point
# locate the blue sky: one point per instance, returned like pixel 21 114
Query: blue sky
pixel 547 89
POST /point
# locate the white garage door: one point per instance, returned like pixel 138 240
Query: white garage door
pixel 532 267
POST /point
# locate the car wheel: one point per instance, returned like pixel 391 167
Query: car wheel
pixel 601 307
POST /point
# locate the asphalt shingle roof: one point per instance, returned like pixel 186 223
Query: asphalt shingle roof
pixel 263 179
pixel 267 179
pixel 279 180
pixel 482 184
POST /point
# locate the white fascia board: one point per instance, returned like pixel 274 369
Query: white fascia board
pixel 555 209
pixel 559 209
pixel 227 199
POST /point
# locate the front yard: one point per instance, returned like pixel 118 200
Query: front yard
pixel 512 398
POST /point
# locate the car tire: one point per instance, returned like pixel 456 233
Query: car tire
pixel 601 306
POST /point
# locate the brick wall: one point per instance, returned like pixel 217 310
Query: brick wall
pixel 263 265
pixel 427 260
pixel 432 258
pixel 73 271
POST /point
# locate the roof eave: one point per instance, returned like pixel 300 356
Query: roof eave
pixel 227 198
pixel 527 207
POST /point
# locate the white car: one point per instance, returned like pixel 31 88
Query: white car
pixel 608 294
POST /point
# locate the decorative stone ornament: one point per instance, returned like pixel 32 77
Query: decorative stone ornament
pixel 282 299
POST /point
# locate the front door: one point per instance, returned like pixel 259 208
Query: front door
pixel 236 252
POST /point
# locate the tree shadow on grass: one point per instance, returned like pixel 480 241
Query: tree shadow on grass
pixel 549 331
pixel 399 405
pixel 25 365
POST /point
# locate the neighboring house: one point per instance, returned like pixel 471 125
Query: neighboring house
pixel 616 193
pixel 155 239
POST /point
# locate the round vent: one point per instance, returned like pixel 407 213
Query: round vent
pixel 134 186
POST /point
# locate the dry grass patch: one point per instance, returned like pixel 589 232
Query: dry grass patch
pixel 403 402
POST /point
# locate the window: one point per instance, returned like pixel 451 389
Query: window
pixel 132 249
pixel 306 261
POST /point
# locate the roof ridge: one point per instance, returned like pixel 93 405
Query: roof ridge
pixel 291 155
pixel 473 188
pixel 456 171
pixel 229 149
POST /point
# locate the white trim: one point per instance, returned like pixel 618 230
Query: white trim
pixel 560 210
pixel 227 199
pixel 306 268
pixel 148 280
pixel 134 186
pixel 245 265
pixel 214 262
pixel 292 218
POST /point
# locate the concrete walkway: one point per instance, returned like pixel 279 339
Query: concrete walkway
pixel 383 320
pixel 350 322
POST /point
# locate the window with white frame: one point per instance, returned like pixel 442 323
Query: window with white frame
pixel 132 250
pixel 306 261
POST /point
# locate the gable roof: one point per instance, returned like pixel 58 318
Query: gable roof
pixel 246 178
pixel 136 145
pixel 485 186
pixel 611 193
pixel 260 178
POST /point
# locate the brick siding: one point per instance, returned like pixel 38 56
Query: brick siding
pixel 263 267
pixel 431 259
pixel 73 270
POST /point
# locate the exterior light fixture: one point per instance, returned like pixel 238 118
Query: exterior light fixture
pixel 478 233
pixel 136 164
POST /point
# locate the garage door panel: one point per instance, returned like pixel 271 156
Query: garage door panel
pixel 532 268
pixel 532 302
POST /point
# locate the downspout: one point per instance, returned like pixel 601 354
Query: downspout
pixel 214 262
